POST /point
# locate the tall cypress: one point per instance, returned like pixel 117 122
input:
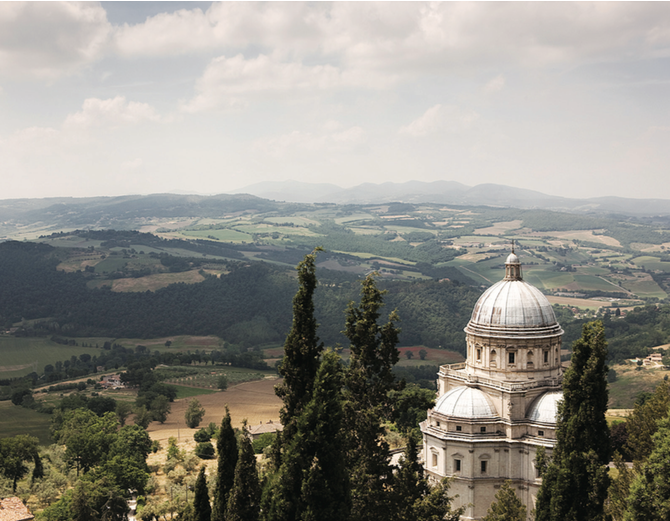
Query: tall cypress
pixel 202 510
pixel 301 349
pixel 368 383
pixel 574 485
pixel 410 484
pixel 227 453
pixel 313 483
pixel 245 496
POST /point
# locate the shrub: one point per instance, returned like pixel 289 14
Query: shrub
pixel 204 450
pixel 264 440
pixel 202 435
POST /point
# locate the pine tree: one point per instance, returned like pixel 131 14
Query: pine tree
pixel 201 507
pixel 649 498
pixel 574 486
pixel 227 454
pixel 368 383
pixel 245 496
pixel 507 506
pixel 302 349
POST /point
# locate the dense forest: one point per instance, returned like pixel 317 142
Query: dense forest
pixel 250 305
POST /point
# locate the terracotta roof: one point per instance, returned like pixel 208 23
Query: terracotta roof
pixel 13 509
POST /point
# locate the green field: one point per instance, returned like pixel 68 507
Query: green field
pixel 652 263
pixel 297 220
pixel 207 377
pixel 19 420
pixel 225 235
pixel 645 288
pixel 21 356
pixel 188 392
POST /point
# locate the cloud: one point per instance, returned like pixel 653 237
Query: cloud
pixel 133 164
pixel 407 37
pixel 50 39
pixel 440 118
pixel 495 85
pixel 229 82
pixel 298 142
pixel 113 112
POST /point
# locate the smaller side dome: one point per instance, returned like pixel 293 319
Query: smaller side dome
pixel 545 407
pixel 466 402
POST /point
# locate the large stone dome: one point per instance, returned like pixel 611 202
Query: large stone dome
pixel 466 402
pixel 513 308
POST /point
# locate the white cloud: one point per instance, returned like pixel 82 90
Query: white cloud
pixel 429 122
pixel 133 164
pixel 113 112
pixel 49 39
pixel 399 36
pixel 495 85
pixel 440 118
pixel 297 142
pixel 228 82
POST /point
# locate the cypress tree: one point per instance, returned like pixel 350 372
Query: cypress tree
pixel 301 349
pixel 201 508
pixel 245 496
pixel 507 506
pixel 367 404
pixel 227 453
pixel 410 484
pixel 313 482
pixel 574 485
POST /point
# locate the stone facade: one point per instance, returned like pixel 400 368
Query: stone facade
pixel 495 410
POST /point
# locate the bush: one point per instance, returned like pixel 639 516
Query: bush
pixel 202 435
pixel 204 450
pixel 264 440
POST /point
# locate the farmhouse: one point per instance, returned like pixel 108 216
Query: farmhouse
pixel 255 431
pixel 495 410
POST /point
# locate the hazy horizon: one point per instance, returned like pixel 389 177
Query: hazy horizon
pixel 118 98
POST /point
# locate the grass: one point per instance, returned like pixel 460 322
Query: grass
pixel 155 282
pixel 433 357
pixel 225 235
pixel 21 356
pixel 652 263
pixel 18 420
pixel 630 383
pixel 188 392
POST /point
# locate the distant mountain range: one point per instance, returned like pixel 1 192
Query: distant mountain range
pixel 124 212
pixel 450 192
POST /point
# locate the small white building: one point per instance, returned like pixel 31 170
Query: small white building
pixel 495 410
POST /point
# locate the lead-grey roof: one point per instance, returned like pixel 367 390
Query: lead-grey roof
pixel 513 308
pixel 466 402
pixel 545 408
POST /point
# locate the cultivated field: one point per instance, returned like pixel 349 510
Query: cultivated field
pixel 21 356
pixel 253 401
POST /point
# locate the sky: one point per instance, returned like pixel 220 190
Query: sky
pixel 117 98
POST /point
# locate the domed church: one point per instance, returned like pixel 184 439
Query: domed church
pixel 495 410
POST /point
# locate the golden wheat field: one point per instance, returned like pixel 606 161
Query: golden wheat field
pixel 253 401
